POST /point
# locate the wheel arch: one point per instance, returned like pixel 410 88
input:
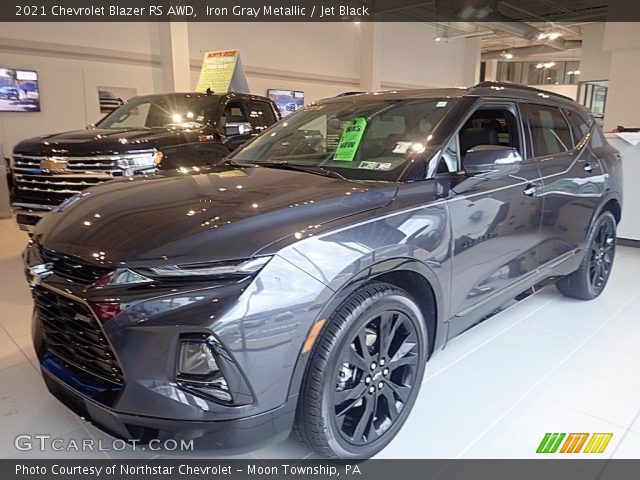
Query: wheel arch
pixel 614 206
pixel 408 274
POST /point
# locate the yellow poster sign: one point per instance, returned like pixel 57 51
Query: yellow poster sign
pixel 217 71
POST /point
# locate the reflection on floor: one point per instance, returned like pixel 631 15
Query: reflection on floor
pixel 548 364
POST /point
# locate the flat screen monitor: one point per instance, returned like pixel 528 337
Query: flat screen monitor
pixel 19 90
pixel 288 101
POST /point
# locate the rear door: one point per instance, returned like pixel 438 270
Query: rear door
pixel 572 178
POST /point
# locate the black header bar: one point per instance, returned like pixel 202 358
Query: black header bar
pixel 318 10
pixel 219 468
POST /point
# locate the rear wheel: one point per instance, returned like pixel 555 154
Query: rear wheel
pixel 364 374
pixel 589 280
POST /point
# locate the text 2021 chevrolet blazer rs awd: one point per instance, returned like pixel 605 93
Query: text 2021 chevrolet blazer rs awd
pixel 306 283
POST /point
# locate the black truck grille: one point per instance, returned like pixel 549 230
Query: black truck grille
pixel 73 334
pixel 73 269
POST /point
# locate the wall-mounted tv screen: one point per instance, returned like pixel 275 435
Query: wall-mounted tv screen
pixel 288 101
pixel 19 91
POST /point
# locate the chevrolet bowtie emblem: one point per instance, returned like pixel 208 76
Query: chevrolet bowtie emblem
pixel 54 164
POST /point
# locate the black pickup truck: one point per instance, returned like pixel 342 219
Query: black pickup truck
pixel 147 134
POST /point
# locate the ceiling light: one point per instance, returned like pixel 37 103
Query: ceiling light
pixel 550 36
pixel 438 39
pixel 506 55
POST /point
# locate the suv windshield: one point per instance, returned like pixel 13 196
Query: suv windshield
pixel 173 111
pixel 357 140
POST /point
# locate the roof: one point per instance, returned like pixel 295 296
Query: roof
pixel 202 95
pixel 483 89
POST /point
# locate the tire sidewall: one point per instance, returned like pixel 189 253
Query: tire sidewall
pixel 394 300
pixel 603 218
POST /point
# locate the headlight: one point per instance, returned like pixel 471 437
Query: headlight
pixel 234 271
pixel 139 161
pixel 220 270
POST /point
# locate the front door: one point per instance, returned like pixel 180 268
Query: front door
pixel 495 222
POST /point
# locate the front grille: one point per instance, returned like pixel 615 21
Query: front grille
pixel 35 184
pixel 72 333
pixel 73 269
pixel 98 163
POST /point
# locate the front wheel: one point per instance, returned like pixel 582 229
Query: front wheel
pixel 364 374
pixel 589 280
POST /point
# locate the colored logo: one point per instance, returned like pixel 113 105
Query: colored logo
pixel 574 443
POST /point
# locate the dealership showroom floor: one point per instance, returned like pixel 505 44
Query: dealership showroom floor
pixel 547 364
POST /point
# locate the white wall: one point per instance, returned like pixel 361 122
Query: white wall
pixel 321 59
pixel 595 61
pixel 623 100
pixel 411 58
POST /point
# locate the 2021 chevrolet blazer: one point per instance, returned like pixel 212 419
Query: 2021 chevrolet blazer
pixel 305 283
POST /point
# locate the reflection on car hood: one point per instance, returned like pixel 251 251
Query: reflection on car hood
pixel 99 141
pixel 224 214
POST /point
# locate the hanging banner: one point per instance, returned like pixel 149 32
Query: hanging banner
pixel 222 72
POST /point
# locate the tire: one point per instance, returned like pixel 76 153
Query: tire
pixel 589 280
pixel 346 383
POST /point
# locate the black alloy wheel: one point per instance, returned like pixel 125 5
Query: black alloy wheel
pixel 376 373
pixel 601 255
pixel 364 373
pixel 592 276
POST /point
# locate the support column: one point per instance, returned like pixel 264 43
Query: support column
pixel 370 57
pixel 174 57
pixel 491 70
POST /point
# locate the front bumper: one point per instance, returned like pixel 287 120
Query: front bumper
pixel 27 215
pixel 149 402
pixel 240 434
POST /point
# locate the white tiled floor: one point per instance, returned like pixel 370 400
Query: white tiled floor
pixel 548 364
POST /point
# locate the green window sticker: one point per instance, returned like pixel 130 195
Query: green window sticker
pixel 350 140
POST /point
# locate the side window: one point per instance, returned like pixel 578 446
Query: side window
pixel 234 113
pixel 579 126
pixel 490 126
pixel 549 130
pixel 261 115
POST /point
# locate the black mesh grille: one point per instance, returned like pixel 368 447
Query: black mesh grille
pixel 73 334
pixel 73 269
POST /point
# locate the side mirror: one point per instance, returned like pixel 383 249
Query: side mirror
pixel 492 160
pixel 91 126
pixel 235 129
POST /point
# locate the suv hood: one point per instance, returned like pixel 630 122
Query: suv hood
pixel 99 141
pixel 222 215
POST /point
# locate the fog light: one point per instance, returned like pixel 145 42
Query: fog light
pixel 199 370
pixel 196 358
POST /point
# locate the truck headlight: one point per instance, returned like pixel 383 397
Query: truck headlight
pixel 139 161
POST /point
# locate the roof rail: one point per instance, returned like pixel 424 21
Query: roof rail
pixel 514 86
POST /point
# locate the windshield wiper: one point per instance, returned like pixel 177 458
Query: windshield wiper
pixel 315 170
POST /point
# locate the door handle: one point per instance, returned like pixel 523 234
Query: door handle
pixel 588 168
pixel 531 190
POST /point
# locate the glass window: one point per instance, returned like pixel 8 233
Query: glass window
pixel 549 130
pixel 171 111
pixel 234 113
pixel 579 126
pixel 370 140
pixel 261 115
